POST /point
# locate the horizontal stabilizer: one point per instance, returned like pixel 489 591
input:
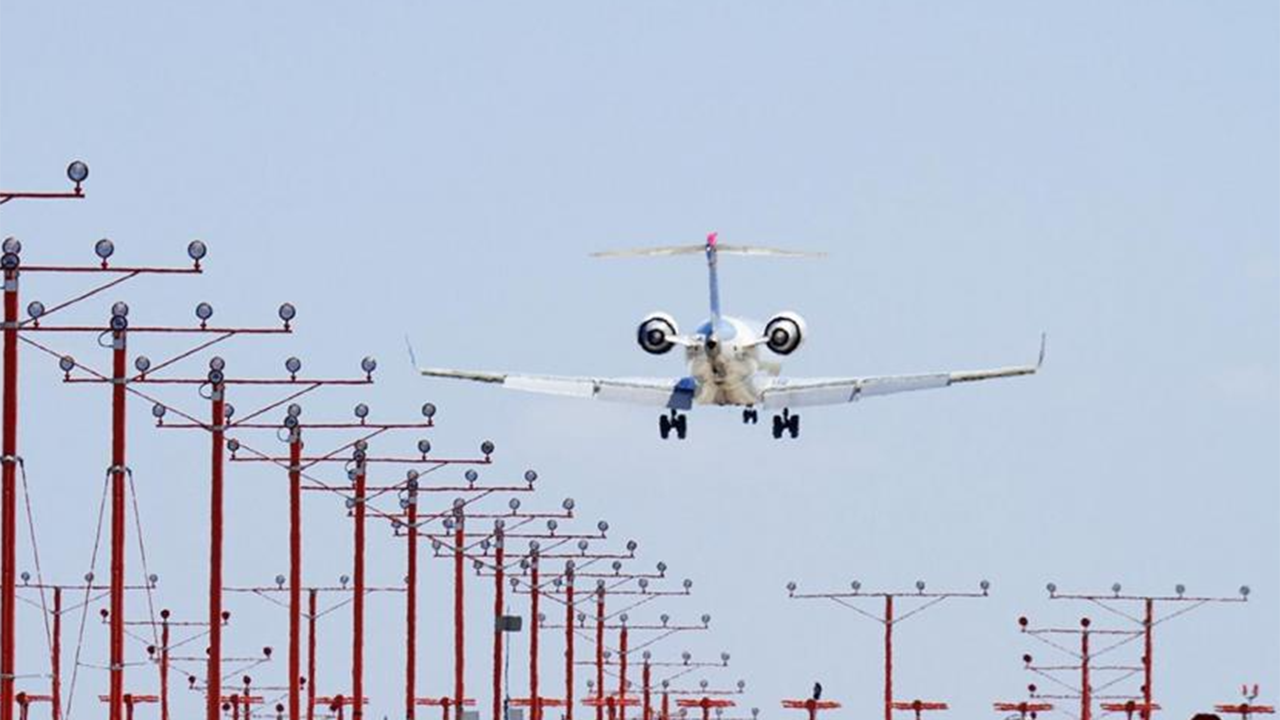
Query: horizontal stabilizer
pixel 700 249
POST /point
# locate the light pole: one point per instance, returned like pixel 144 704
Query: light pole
pixel 891 617
pixel 1147 618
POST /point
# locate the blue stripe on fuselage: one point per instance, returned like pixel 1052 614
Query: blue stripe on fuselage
pixel 724 330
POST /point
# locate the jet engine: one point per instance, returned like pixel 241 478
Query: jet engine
pixel 655 333
pixel 784 333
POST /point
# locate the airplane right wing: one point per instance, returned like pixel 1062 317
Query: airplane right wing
pixel 675 393
pixel 784 392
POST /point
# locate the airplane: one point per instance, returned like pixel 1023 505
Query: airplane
pixel 725 367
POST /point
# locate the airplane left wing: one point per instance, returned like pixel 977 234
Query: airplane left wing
pixel 655 392
pixel 783 392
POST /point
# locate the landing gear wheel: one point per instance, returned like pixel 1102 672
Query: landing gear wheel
pixel 673 421
pixel 750 416
pixel 786 423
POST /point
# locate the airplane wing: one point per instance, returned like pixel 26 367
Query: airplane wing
pixel 783 392
pixel 675 393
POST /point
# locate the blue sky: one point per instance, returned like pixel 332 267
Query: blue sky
pixel 978 173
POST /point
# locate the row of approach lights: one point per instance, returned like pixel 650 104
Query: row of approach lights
pixel 120 321
pixel 104 249
pixel 856 586
pixel 985 586
pixel 77 172
pixel 1179 589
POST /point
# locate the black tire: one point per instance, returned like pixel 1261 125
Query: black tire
pixel 777 427
pixel 794 426
pixel 681 424
pixel 664 426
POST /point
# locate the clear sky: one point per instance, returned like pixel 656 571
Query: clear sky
pixel 979 173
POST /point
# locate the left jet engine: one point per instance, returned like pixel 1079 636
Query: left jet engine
pixel 655 333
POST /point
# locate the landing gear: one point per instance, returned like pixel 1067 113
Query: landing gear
pixel 675 421
pixel 786 422
pixel 750 416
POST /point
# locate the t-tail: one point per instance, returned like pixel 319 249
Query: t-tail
pixel 712 248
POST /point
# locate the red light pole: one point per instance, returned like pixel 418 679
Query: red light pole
pixel 889 619
pixel 1147 620
pixel 566 583
pixel 358 507
pixel 1083 663
pixel 220 413
pixel 537 588
pixel 13 334
pixel 492 558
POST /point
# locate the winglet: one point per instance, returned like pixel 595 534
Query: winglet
pixel 413 360
pixel 1040 360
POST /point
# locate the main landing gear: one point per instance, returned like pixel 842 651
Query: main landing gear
pixel 786 422
pixel 675 421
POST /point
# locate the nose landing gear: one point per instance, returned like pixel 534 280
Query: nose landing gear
pixel 675 421
pixel 750 416
pixel 786 422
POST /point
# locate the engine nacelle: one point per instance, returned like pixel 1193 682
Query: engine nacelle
pixel 784 333
pixel 655 333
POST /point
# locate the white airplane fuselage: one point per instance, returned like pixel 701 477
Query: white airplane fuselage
pixel 725 364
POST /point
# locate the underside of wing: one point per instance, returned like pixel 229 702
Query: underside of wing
pixel 654 392
pixel 784 392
